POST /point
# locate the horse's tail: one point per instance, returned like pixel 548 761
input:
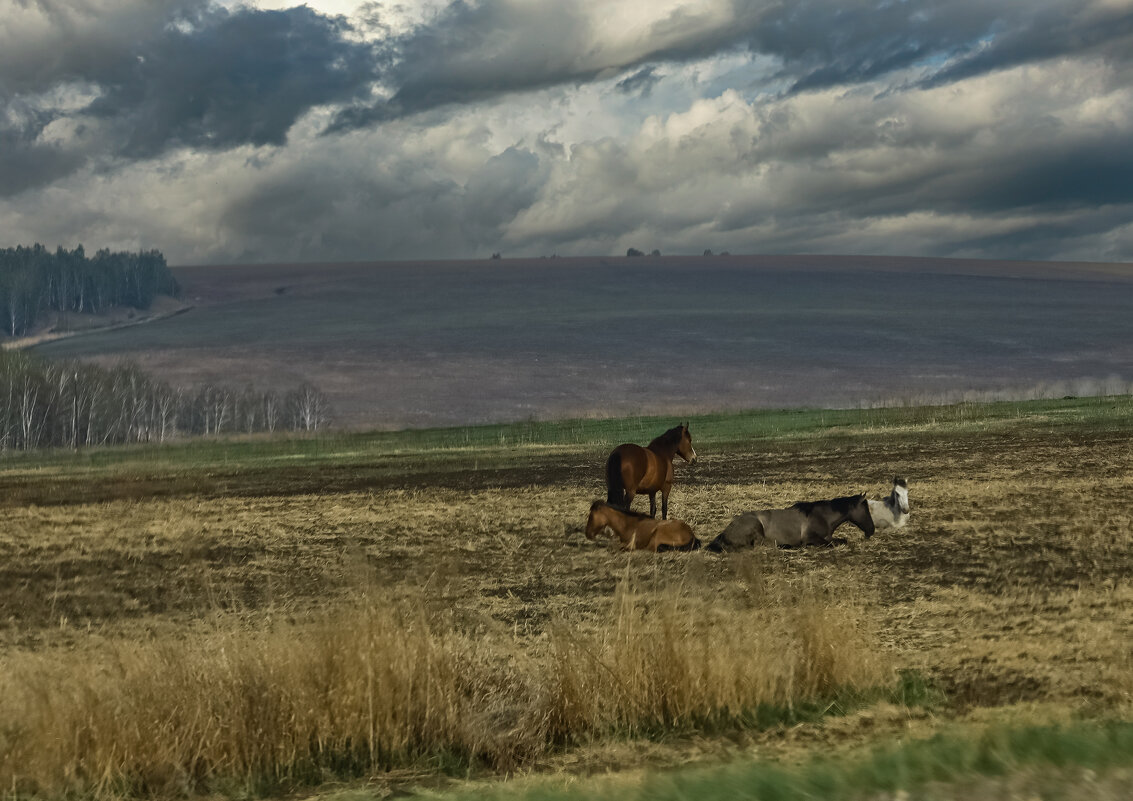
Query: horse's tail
pixel 615 486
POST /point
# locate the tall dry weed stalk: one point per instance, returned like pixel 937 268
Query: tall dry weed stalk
pixel 673 662
pixel 388 685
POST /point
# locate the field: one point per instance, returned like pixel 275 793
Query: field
pixel 448 343
pixel 1005 602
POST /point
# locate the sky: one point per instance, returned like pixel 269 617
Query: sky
pixel 225 132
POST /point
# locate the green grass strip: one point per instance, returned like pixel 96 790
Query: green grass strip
pixel 1102 413
pixel 907 766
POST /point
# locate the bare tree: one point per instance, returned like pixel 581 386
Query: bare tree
pixel 271 404
pixel 309 408
pixel 71 404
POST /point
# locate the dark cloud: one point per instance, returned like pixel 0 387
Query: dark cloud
pixel 641 82
pixel 24 163
pixel 823 43
pixel 51 42
pixel 501 188
pixel 233 78
pixel 196 75
pixel 184 72
pixel 1049 32
pixel 1048 239
pixel 401 208
pixel 398 202
pixel 477 51
pixel 472 52
pixel 1091 172
pixel 25 160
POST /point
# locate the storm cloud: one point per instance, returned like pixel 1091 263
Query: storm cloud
pixel 225 132
pixel 77 86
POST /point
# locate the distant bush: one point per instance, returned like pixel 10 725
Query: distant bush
pixel 34 281
pixel 634 252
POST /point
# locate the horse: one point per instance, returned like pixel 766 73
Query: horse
pixel 638 531
pixel 633 470
pixel 893 511
pixel 804 523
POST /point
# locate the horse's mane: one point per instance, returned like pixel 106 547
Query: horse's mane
pixel 840 505
pixel 900 482
pixel 670 437
pixel 616 508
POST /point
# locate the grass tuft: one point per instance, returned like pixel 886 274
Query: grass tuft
pixel 389 685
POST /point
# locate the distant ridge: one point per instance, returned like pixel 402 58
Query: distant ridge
pixel 431 343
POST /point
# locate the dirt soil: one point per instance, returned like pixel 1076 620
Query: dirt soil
pixel 1011 583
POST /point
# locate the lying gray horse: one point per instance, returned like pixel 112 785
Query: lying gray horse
pixel 805 523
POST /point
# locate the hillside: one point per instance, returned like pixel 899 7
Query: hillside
pixel 436 343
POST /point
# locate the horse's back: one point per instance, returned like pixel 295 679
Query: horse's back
pixel 627 464
pixel 784 526
pixel 674 535
pixel 744 531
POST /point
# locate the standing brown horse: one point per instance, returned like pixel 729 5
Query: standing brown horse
pixel 639 532
pixel 634 470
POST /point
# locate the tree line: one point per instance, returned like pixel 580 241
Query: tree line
pixel 34 281
pixel 71 404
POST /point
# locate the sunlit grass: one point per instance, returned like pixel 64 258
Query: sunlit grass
pixel 388 684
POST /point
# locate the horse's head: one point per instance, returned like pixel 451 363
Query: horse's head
pixel 901 495
pixel 684 447
pixel 860 516
pixel 596 522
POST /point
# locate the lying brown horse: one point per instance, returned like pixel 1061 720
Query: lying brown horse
pixel 639 532
pixel 804 523
pixel 634 470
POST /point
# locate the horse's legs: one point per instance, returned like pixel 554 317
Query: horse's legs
pixel 817 534
pixel 664 503
pixel 653 505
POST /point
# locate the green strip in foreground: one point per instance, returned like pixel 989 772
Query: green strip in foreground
pixel 944 758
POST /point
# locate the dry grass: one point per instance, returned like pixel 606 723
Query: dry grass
pixel 685 664
pixel 389 685
pixel 1009 587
